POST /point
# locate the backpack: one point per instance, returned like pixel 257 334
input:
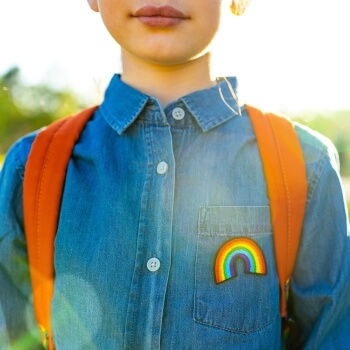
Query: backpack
pixel 284 171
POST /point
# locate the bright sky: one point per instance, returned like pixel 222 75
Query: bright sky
pixel 290 55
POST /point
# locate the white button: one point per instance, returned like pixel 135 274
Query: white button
pixel 153 264
pixel 162 168
pixel 178 113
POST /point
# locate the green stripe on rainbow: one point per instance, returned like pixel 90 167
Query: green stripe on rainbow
pixel 242 248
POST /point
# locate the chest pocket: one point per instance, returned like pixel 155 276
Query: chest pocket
pixel 248 298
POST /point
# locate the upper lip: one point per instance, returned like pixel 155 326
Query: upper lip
pixel 161 11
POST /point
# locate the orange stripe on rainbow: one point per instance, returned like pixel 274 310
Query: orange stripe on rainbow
pixel 242 248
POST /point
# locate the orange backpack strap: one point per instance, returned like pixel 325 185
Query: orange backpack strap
pixel 42 191
pixel 285 175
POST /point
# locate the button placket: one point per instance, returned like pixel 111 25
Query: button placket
pixel 148 290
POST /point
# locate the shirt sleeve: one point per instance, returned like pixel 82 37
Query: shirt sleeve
pixel 18 329
pixel 320 287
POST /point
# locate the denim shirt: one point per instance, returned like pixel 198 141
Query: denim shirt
pixel 151 195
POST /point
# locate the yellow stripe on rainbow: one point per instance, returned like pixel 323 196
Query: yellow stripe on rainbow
pixel 242 248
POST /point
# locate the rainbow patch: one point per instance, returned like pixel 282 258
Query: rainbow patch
pixel 242 248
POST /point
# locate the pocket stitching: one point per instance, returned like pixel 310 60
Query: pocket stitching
pixel 232 330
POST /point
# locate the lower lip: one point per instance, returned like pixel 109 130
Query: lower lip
pixel 160 21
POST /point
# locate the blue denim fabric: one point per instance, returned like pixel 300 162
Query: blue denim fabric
pixel 118 212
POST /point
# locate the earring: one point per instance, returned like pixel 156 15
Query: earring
pixel 237 8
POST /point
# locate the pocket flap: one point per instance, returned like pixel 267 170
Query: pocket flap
pixel 227 221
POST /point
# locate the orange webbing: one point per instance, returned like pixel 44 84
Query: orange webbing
pixel 285 174
pixel 42 191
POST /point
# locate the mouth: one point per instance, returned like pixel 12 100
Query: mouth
pixel 163 16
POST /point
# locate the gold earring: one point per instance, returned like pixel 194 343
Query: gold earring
pixel 237 8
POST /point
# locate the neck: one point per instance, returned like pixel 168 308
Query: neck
pixel 167 82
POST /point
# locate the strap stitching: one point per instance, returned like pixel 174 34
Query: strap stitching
pixel 47 158
pixel 285 183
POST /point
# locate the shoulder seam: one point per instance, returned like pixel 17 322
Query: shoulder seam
pixel 317 173
pixel 20 163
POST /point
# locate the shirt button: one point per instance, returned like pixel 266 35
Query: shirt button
pixel 178 113
pixel 162 168
pixel 153 264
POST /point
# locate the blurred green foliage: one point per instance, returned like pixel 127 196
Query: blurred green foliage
pixel 336 126
pixel 25 108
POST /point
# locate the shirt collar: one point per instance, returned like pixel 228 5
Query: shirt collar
pixel 214 106
pixel 122 104
pixel 210 107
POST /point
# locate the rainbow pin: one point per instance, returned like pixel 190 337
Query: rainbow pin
pixel 244 249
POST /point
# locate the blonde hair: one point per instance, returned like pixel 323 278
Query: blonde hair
pixel 238 7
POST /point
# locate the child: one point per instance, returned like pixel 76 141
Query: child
pixel 164 174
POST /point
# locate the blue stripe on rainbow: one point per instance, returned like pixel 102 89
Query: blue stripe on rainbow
pixel 242 248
